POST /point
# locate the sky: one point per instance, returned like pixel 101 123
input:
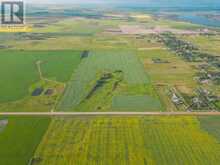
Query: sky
pixel 171 3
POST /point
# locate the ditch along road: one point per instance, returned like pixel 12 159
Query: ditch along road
pixel 109 113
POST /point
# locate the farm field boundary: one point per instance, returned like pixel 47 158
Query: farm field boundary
pixel 110 114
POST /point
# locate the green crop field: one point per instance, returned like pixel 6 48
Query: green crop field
pixel 136 103
pixel 117 140
pixel 99 62
pixel 211 125
pixel 205 43
pixel 20 138
pixel 23 72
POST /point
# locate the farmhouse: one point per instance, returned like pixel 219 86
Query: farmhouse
pixel 176 99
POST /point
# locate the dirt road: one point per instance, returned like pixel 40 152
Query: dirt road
pixel 109 113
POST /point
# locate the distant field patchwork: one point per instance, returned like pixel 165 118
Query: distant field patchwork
pixel 122 141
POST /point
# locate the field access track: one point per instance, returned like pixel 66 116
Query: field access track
pixel 110 114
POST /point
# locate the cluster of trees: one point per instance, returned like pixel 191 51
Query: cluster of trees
pixel 204 99
pixel 188 51
pixel 182 48
pixel 206 75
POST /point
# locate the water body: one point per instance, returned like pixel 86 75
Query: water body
pixel 199 19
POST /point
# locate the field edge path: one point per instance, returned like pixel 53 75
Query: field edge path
pixel 109 113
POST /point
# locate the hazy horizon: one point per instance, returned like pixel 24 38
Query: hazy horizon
pixel 159 3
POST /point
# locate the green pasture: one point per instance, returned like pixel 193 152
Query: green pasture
pixel 20 138
pixel 40 103
pixel 136 103
pixel 19 71
pixel 98 62
pixel 211 125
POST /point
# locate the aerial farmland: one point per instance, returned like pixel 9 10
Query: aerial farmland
pixel 111 85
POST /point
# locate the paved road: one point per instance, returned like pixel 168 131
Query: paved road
pixel 110 114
